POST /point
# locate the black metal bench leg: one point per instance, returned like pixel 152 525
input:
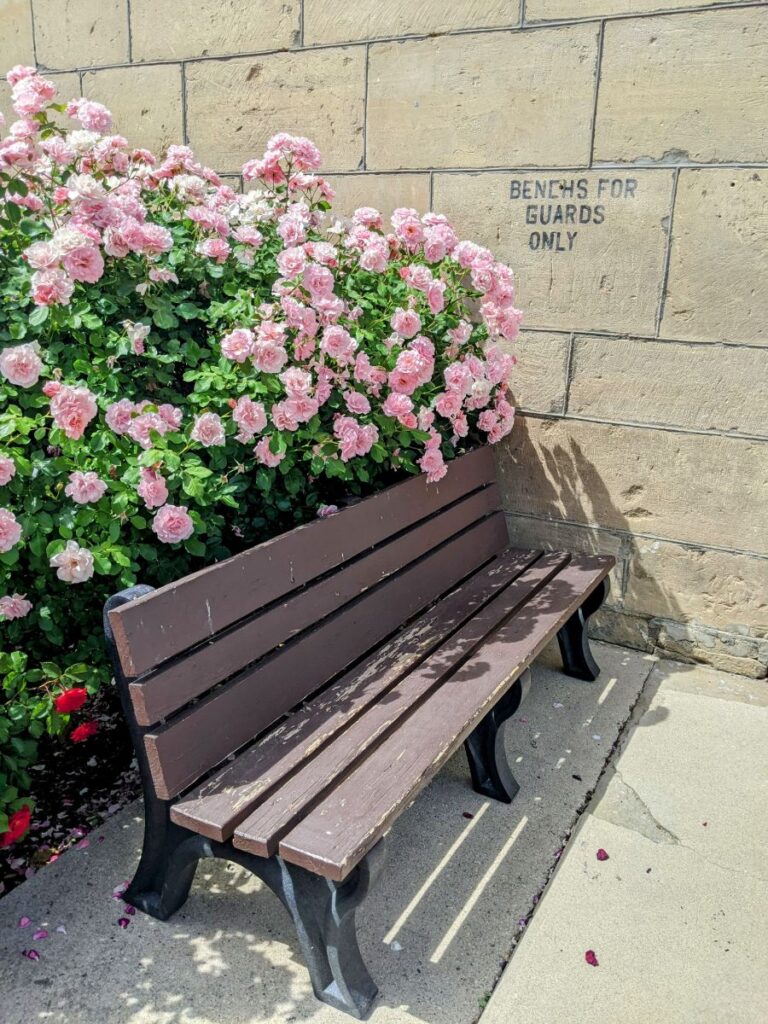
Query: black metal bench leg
pixel 167 867
pixel 488 764
pixel 323 912
pixel 574 641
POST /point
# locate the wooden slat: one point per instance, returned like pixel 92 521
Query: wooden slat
pixel 163 624
pixel 268 823
pixel 161 693
pixel 218 805
pixel 335 836
pixel 237 712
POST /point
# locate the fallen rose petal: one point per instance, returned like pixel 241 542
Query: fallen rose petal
pixel 30 954
pixel 601 854
pixel 25 922
pixel 557 704
pixel 123 922
pixel 128 909
pixel 467 814
pixel 41 933
pixel 83 844
pixel 60 928
pixel 591 959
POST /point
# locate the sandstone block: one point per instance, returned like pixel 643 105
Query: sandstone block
pixel 557 10
pixel 448 101
pixel 702 489
pixel 689 86
pixel 385 192
pixel 145 102
pixel 81 33
pixel 587 247
pixel 538 379
pixel 718 271
pixel 234 106
pixel 726 590
pixel 174 29
pixel 329 22
pixel 16 43
pixel 662 382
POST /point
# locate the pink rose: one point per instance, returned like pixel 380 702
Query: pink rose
pixel 119 415
pixel 357 403
pixel 269 358
pixel 214 248
pixel 296 381
pixel 84 487
pixel 250 417
pixel 74 564
pixel 433 464
pixel 237 345
pixel 339 344
pixel 448 404
pixel 152 488
pixel 7 470
pixel 10 530
pixel 84 264
pixel 51 288
pixel 14 606
pixel 94 117
pixel 291 262
pixel 208 430
pixel 266 456
pixel 172 524
pixel 436 296
pixel 21 365
pixel 41 256
pixel 72 410
pixel 406 322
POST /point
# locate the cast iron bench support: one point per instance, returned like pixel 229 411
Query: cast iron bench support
pixel 475 614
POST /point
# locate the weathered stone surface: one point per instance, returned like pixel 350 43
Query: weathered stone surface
pixel 555 535
pixel 722 589
pixel 328 22
pixel 556 10
pixel 686 85
pixel 234 106
pixel 172 29
pixel 145 102
pixel 446 102
pixel 385 192
pixel 609 278
pixel 730 652
pixel 80 33
pixel 663 382
pixel 16 43
pixel 718 271
pixel 691 487
pixel 538 379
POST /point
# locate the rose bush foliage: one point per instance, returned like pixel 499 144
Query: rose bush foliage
pixel 186 370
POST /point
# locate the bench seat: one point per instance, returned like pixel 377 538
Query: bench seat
pixel 322 788
pixel 287 704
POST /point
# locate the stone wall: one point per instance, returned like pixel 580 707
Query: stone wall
pixel 615 152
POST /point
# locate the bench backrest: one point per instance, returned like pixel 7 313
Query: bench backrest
pixel 212 660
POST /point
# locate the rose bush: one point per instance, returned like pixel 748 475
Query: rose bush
pixel 186 370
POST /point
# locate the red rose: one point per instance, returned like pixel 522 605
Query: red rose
pixel 84 732
pixel 18 824
pixel 71 700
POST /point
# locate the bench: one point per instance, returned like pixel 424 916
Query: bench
pixel 288 704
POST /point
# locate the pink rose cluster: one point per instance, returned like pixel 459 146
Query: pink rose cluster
pixel 140 419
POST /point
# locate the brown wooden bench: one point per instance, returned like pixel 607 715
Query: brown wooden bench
pixel 286 705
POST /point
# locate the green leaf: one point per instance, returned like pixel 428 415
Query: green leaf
pixel 39 315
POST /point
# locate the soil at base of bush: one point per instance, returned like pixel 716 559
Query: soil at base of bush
pixel 76 787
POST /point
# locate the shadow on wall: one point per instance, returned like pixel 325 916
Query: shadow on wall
pixel 563 484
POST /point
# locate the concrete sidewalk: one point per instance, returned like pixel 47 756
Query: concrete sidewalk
pixel 678 914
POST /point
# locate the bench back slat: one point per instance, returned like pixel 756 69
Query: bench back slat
pixel 172 686
pixel 174 618
pixel 205 734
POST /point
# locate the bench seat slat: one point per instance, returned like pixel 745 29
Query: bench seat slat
pixel 215 807
pixel 167 622
pixel 262 830
pixel 348 822
pixel 168 689
pixel 201 737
